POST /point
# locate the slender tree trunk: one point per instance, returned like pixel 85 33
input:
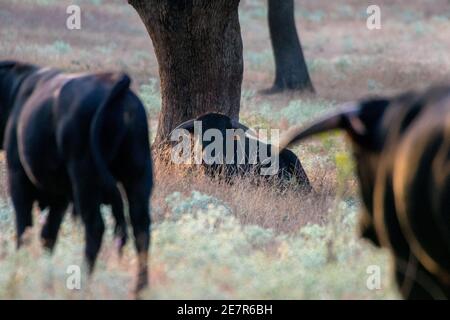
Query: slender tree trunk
pixel 198 46
pixel 291 70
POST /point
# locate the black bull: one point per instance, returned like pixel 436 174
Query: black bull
pixel 254 160
pixel 402 152
pixel 72 138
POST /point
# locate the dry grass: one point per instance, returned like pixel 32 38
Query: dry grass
pixel 254 201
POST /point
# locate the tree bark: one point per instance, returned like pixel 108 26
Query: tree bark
pixel 198 46
pixel 291 70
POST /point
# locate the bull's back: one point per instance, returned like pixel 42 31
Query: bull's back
pixel 35 134
pixel 53 125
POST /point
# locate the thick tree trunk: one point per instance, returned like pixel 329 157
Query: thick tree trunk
pixel 291 70
pixel 198 45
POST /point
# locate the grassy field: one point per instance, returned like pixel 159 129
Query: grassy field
pixel 212 240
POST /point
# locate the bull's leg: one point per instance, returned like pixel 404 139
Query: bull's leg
pixel 22 195
pixel 52 224
pixel 87 203
pixel 120 231
pixel 138 194
pixel 416 283
pixel 75 213
pixel 94 229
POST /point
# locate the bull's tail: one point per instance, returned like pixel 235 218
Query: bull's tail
pixel 108 180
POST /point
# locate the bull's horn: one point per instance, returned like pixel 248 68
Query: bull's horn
pixel 333 122
pixel 187 125
pixel 237 125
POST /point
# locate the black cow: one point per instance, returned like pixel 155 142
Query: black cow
pixel 72 138
pixel 402 151
pixel 255 153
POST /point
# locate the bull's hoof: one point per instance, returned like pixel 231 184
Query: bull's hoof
pixel 48 244
pixel 142 283
pixel 25 239
pixel 120 243
pixel 121 238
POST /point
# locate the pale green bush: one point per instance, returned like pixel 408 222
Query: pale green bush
pixel 202 251
pixel 151 96
pixel 207 253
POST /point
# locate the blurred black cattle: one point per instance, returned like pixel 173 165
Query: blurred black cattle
pixel 72 138
pixel 247 154
pixel 402 151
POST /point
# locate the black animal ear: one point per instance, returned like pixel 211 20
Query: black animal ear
pixel 362 126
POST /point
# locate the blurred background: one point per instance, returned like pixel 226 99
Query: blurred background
pixel 240 241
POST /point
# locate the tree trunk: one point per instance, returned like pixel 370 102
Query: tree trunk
pixel 291 70
pixel 198 46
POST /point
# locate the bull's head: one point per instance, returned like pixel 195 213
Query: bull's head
pixel 363 122
pixel 209 121
pixel 213 121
